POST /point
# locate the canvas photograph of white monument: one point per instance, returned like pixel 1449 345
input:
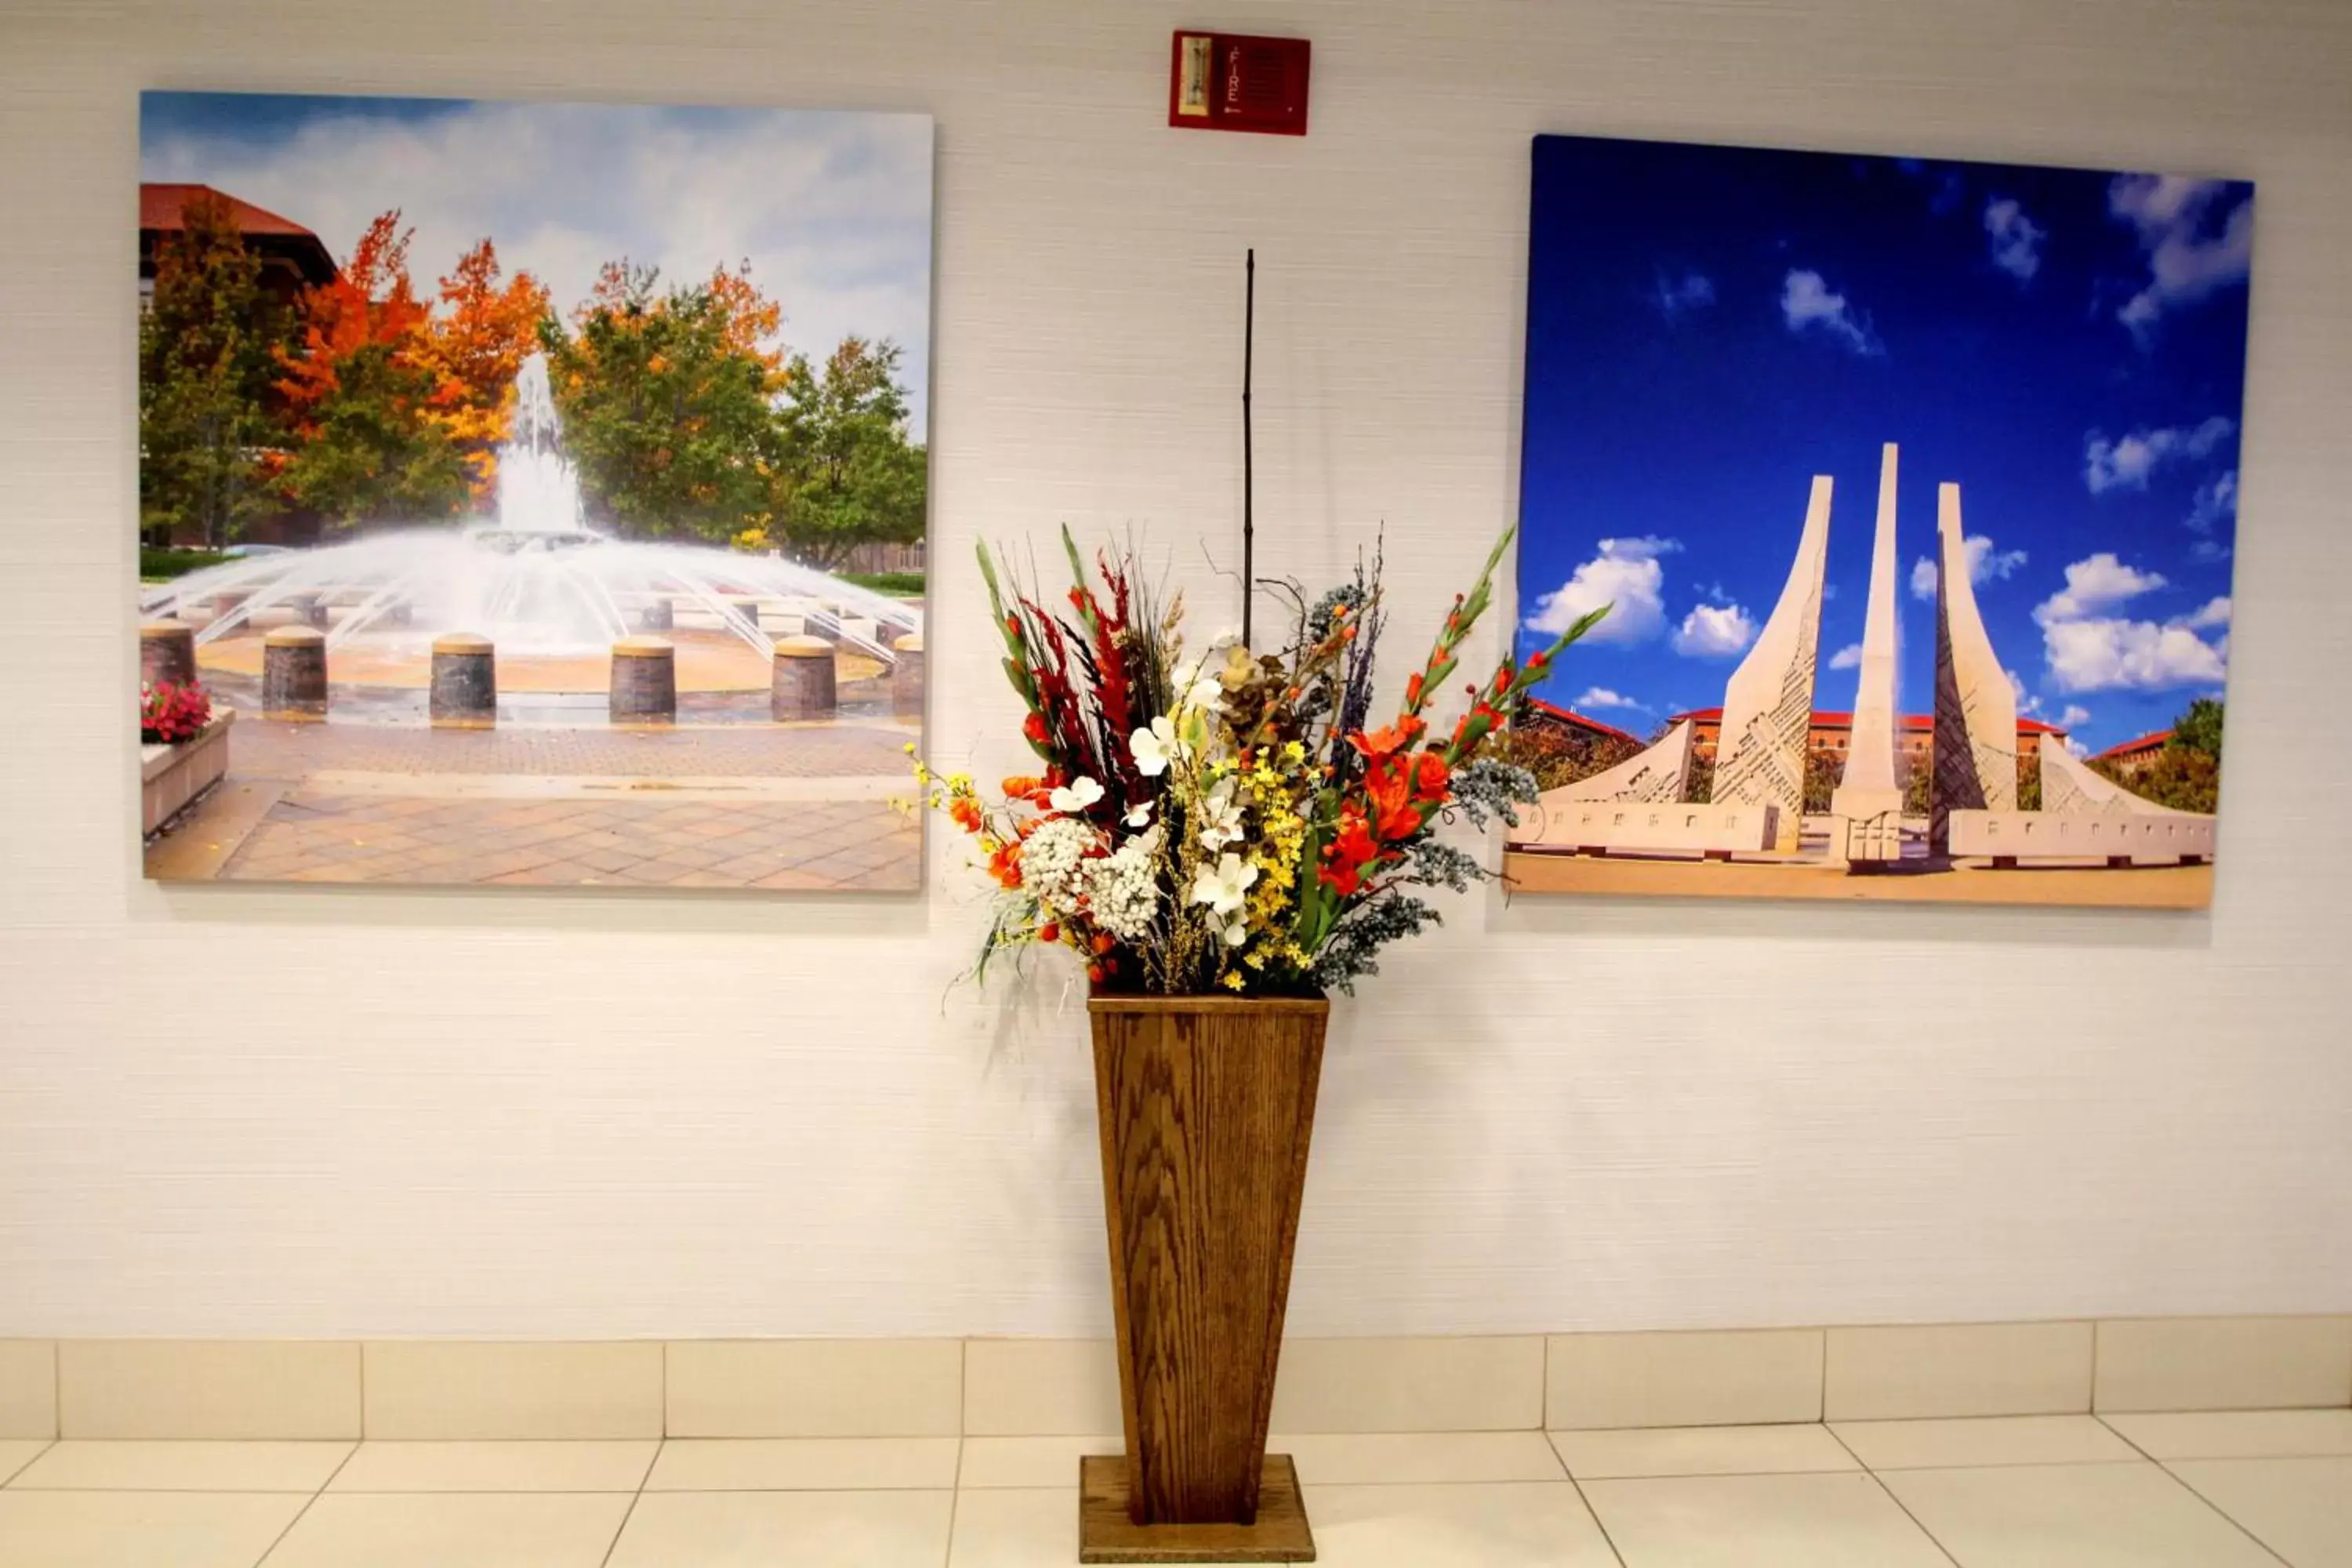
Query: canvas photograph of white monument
pixel 1912 487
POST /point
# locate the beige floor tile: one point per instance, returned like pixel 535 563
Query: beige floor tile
pixel 449 1530
pixel 2224 1363
pixel 16 1453
pixel 1966 1369
pixel 1701 1451
pixel 141 1530
pixel 1465 1384
pixel 816 1388
pixel 2299 1509
pixel 584 1465
pixel 208 1389
pixel 1407 1458
pixel 1015 1526
pixel 77 1465
pixel 2072 1516
pixel 29 1388
pixel 804 1464
pixel 1760 1522
pixel 772 1530
pixel 1983 1440
pixel 1040 1388
pixel 1527 1524
pixel 1030 1461
pixel 1704 1379
pixel 453 1390
pixel 2237 1434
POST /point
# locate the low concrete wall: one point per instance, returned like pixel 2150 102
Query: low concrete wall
pixel 1595 827
pixel 170 777
pixel 2046 835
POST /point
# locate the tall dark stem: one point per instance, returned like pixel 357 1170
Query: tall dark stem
pixel 1249 487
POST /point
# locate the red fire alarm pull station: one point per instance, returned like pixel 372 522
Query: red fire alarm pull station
pixel 1225 81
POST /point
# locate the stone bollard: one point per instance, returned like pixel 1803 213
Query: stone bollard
pixel 644 681
pixel 659 615
pixel 801 682
pixel 294 674
pixel 167 652
pixel 907 676
pixel 465 682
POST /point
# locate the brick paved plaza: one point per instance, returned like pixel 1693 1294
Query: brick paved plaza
pixel 770 806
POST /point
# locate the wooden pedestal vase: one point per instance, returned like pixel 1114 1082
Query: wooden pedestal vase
pixel 1206 1105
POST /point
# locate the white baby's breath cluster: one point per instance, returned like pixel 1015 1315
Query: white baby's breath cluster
pixel 1053 862
pixel 1123 887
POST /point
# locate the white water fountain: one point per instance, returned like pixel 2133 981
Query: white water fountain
pixel 539 581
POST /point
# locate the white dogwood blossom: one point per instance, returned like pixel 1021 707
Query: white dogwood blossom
pixel 1074 797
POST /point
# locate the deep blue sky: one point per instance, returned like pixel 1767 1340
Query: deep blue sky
pixel 1708 328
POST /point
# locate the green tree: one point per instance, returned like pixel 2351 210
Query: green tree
pixel 206 355
pixel 2199 728
pixel 670 404
pixel 371 453
pixel 855 477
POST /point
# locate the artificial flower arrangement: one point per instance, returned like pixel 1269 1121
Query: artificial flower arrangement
pixel 1231 821
pixel 170 712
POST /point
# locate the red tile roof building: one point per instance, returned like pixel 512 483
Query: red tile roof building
pixel 292 258
pixel 1831 733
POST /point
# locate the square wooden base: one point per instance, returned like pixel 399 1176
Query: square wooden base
pixel 1107 1535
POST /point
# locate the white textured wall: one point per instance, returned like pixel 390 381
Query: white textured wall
pixel 224 1111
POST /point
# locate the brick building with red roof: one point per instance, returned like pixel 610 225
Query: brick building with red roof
pixel 1833 731
pixel 292 258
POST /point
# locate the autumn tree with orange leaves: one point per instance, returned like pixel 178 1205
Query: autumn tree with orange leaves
pixel 359 392
pixel 473 346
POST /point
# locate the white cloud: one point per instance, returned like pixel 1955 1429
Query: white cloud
pixel 1986 564
pixel 832 210
pixel 2016 238
pixel 2189 254
pixel 1625 576
pixel 2026 701
pixel 2075 749
pixel 1847 658
pixel 2216 502
pixel 1713 631
pixel 1678 297
pixel 2209 550
pixel 2094 585
pixel 1601 697
pixel 2073 716
pixel 2215 613
pixel 2114 654
pixel 1807 302
pixel 2129 459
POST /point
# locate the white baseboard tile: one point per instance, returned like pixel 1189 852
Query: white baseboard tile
pixel 208 1388
pixel 816 1388
pixel 2224 1363
pixel 1472 1383
pixel 29 1388
pixel 1911 1373
pixel 1068 1390
pixel 457 1390
pixel 1702 1378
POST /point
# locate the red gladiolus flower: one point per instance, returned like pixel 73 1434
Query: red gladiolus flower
pixel 1389 742
pixel 1430 776
pixel 1049 933
pixel 1035 728
pixel 1393 812
pixel 1412 691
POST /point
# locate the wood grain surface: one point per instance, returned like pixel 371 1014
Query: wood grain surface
pixel 1206 1106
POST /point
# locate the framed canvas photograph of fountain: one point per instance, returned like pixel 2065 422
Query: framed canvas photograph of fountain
pixel 1912 489
pixel 531 494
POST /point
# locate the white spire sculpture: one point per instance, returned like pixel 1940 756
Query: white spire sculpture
pixel 1976 708
pixel 1767 705
pixel 1870 791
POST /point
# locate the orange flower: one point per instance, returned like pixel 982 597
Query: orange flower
pixel 1049 932
pixel 1035 728
pixel 1430 776
pixel 1395 816
pixel 966 814
pixel 1389 742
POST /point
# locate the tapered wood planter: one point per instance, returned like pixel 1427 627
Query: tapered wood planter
pixel 1206 1106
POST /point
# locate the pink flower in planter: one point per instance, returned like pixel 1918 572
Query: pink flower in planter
pixel 171 713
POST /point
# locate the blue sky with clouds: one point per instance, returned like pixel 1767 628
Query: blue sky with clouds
pixel 1709 328
pixel 833 210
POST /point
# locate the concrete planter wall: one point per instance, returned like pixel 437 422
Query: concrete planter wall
pixel 172 776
